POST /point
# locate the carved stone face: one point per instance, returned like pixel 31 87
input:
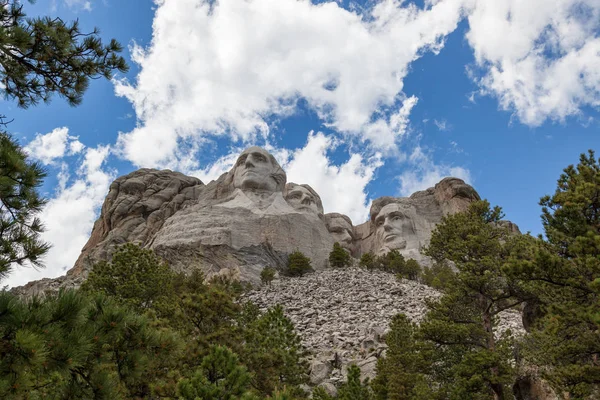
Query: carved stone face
pixel 342 232
pixel 302 199
pixel 393 227
pixel 257 169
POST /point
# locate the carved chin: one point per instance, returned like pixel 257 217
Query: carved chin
pixel 394 243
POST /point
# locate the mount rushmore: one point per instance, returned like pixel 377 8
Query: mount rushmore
pixel 251 217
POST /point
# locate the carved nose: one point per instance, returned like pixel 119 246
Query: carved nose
pixel 387 226
pixel 306 200
pixel 249 163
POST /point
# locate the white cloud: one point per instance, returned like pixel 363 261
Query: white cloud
pixel 422 173
pixel 79 4
pixel 442 125
pixel 69 216
pixel 342 187
pixel 54 145
pixel 540 59
pixel 243 62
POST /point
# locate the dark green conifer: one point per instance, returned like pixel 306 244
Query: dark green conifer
pixel 339 257
pixel 368 260
pixel 20 203
pixel 267 275
pixel 298 264
pixel 563 273
pixel 43 56
pixel 470 360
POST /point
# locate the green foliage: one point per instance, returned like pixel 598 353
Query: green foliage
pixel 339 257
pixel 461 322
pixel 563 273
pixel 19 203
pixel 220 377
pixel 438 276
pixel 43 56
pixel 353 388
pixel 298 264
pixel 274 353
pixel 71 346
pixel 368 260
pixel 392 261
pixel 401 373
pixel 411 270
pixel 134 276
pixel 267 275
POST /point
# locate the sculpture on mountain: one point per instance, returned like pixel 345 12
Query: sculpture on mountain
pixel 249 218
pixel 303 198
pixel 393 220
pixel 340 227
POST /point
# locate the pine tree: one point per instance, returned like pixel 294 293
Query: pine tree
pixel 298 264
pixel 401 374
pixel 134 276
pixel 220 377
pixel 411 270
pixel 20 228
pixel 368 260
pixel 339 257
pixel 353 388
pixel 274 353
pixel 267 275
pixel 43 56
pixel 471 360
pixel 74 347
pixel 392 261
pixel 563 272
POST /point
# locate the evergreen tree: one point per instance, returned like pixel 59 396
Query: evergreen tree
pixel 220 377
pixel 368 260
pixel 274 353
pixel 353 388
pixel 20 228
pixel 298 264
pixel 267 275
pixel 411 270
pixel 563 272
pixel 392 262
pixel 134 276
pixel 438 276
pixel 471 361
pixel 68 346
pixel 401 373
pixel 42 56
pixel 339 257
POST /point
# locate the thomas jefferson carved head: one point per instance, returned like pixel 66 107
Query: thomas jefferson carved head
pixel 303 198
pixel 393 223
pixel 340 227
pixel 257 169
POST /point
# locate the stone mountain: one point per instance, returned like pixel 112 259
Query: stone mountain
pixel 252 217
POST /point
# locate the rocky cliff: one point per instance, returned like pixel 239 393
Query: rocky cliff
pixel 251 217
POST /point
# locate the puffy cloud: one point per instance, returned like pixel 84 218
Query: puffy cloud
pixel 422 172
pixel 245 62
pixel 540 59
pixel 69 215
pixel 342 187
pixel 54 145
pixel 79 4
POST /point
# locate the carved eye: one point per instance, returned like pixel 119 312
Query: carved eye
pixel 294 196
pixel 241 160
pixel 260 157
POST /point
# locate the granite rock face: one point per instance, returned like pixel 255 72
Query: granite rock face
pixel 251 217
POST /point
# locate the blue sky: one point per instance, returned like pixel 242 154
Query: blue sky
pixel 359 99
